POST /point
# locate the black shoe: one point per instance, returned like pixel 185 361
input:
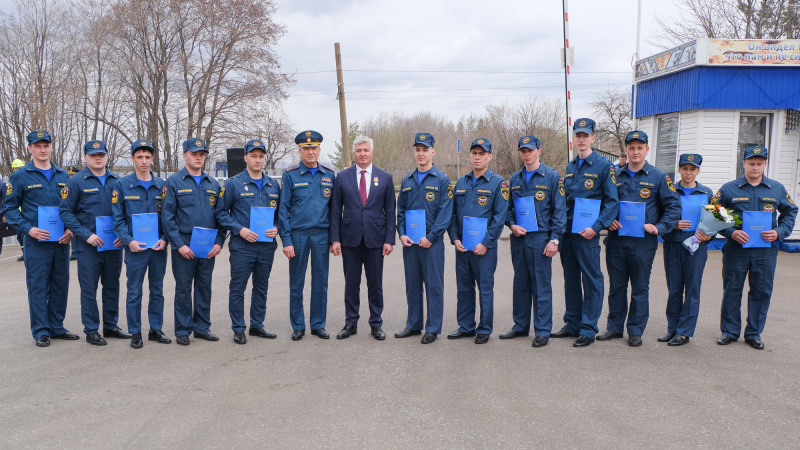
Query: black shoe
pixel 755 343
pixel 182 340
pixel 67 336
pixel 207 336
pixel 95 339
pixel 158 336
pixel 634 340
pixel 540 341
pixel 511 334
pixel 458 334
pixel 667 337
pixel 583 341
pixel 678 340
pixel 406 333
pixel 239 337
pixel 136 340
pixel 262 332
pixel 378 333
pixel 298 334
pixel 347 331
pixel 428 338
pixel 321 333
pixel 481 338
pixel 43 341
pixel 725 340
pixel 608 335
pixel 21 258
pixel 562 333
pixel 116 332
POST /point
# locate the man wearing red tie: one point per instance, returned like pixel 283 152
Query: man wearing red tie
pixel 364 203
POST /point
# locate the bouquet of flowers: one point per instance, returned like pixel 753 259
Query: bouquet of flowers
pixel 713 219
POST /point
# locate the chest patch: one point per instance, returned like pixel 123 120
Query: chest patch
pixel 769 208
pixel 588 184
pixel 326 192
pixel 482 200
pixel 540 195
pixel 114 197
pixel 64 192
pixel 430 196
pixel 212 200
pixel 644 193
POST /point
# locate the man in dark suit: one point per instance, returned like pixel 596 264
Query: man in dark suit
pixel 363 202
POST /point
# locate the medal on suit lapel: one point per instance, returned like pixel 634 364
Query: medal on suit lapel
pixel 375 181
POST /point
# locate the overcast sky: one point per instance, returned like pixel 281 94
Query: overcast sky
pixel 388 44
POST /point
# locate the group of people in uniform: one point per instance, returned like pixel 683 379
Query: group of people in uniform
pixel 356 215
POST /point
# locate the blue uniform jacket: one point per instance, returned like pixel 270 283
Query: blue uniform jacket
pixel 654 188
pixel 547 189
pixel 305 201
pixel 595 179
pixel 86 199
pixel 133 199
pixel 29 189
pixel 239 194
pixel 434 195
pixel 184 206
pixel 770 195
pixel 679 235
pixel 487 198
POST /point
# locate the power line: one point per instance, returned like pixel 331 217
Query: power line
pixel 627 72
pixel 464 89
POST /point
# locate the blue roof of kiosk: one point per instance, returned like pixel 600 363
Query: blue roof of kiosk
pixel 720 88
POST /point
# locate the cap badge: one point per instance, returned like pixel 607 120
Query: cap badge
pixel 142 143
pixel 526 139
pixel 582 123
pixel 421 137
pixel 308 134
pixel 256 144
pixel 479 142
pixel 40 134
pixel 198 143
pixel 756 150
pixel 96 145
pixel 690 158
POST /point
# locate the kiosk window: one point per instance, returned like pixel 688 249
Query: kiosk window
pixel 667 144
pixel 752 132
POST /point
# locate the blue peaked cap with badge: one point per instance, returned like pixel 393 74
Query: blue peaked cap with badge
pixel 636 135
pixel 756 152
pixel 308 138
pixel 690 158
pixel 254 144
pixel 530 141
pixel 38 135
pixel 92 147
pixel 584 125
pixel 141 143
pixel 483 143
pixel 425 139
pixel 194 145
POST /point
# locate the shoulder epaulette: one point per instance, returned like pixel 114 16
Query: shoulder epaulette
pixel 292 168
pixel 326 167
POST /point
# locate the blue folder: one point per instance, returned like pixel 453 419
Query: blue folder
pixel 525 213
pixel 50 221
pixel 585 214
pixel 415 224
pixel 753 223
pixel 262 218
pixel 631 217
pixel 473 231
pixel 202 241
pixel 145 229
pixel 691 206
pixel 104 229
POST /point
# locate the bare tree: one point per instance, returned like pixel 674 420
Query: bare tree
pixel 612 111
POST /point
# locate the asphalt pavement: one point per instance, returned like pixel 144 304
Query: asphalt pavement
pixel 360 393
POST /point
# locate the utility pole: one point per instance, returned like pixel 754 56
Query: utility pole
pixel 567 84
pixel 342 110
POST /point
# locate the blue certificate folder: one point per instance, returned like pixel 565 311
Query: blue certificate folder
pixel 753 223
pixel 415 224
pixel 104 229
pixel 145 229
pixel 525 213
pixel 202 241
pixel 585 214
pixel 631 217
pixel 473 231
pixel 50 221
pixel 262 218
pixel 691 206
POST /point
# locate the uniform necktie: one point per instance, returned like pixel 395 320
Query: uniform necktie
pixel 362 188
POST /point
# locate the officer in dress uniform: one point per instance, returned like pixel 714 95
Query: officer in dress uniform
pixel 684 270
pixel 189 197
pixel 630 258
pixel 427 189
pixel 532 250
pixel 480 194
pixel 90 194
pixel 250 253
pixel 589 176
pixel 41 183
pixel 751 192
pixel 304 223
pixel 140 193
